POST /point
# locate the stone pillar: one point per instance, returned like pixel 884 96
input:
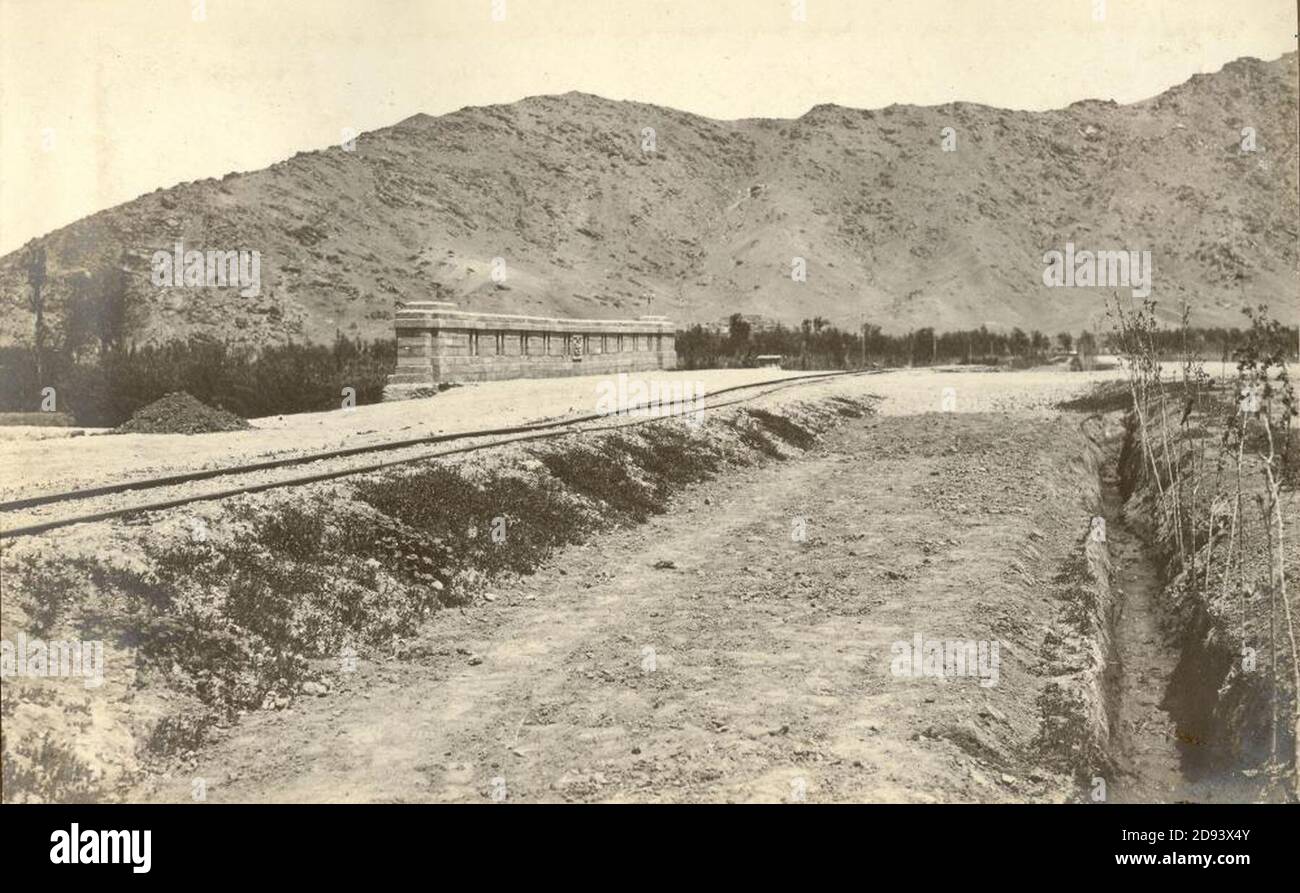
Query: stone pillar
pixel 665 343
pixel 421 343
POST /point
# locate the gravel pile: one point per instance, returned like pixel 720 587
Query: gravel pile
pixel 179 413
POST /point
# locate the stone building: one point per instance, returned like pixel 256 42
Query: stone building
pixel 438 343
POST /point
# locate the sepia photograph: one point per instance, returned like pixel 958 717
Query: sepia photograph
pixel 594 405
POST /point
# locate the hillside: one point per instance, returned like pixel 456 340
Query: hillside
pixel 706 225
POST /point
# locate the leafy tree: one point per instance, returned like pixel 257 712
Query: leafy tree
pixel 739 329
pixel 100 310
pixel 1087 345
pixel 34 264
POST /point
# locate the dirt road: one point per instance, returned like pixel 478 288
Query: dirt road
pixel 711 655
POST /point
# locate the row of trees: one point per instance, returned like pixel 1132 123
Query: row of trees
pixel 102 379
pixel 106 387
pixel 817 344
pixel 1207 344
pixel 99 376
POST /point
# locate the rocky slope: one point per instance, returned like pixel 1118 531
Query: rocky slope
pixel 589 224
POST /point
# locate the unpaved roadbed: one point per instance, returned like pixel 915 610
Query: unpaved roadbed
pixel 746 666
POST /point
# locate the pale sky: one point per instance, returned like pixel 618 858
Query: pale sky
pixel 104 100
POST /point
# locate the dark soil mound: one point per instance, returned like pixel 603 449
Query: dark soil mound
pixel 179 413
pixel 1106 396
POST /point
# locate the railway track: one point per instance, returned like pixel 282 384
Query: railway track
pixel 490 437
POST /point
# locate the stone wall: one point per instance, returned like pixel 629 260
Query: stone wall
pixel 438 343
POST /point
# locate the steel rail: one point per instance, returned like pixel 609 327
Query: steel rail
pixel 530 432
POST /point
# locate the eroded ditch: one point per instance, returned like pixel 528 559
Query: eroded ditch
pixel 1167 740
pixel 1145 737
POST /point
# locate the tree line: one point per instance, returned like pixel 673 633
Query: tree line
pixel 106 388
pixel 87 364
pixel 101 377
pixel 817 344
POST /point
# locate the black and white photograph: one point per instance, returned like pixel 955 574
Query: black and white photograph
pixel 593 405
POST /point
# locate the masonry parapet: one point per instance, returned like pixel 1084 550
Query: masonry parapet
pixel 439 343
